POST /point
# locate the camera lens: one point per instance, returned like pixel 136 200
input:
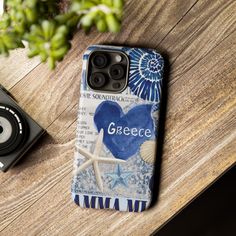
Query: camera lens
pixel 117 72
pixel 5 133
pixel 97 80
pixel 99 60
pixel 13 130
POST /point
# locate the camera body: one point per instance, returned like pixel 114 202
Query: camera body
pixel 18 131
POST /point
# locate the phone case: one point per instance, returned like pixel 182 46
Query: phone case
pixel 116 136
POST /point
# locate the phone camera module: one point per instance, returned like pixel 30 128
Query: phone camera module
pixel 117 72
pixel 107 71
pixel 99 60
pixel 97 80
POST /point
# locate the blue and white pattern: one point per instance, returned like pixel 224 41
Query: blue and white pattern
pixel 127 120
pixel 118 177
pixel 146 73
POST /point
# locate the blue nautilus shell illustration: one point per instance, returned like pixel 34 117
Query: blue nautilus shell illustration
pixel 146 73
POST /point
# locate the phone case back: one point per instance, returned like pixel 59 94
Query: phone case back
pixel 116 136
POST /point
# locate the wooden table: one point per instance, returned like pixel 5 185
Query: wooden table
pixel 199 40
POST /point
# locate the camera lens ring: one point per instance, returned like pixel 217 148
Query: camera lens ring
pixel 18 129
pixel 117 72
pixel 99 60
pixel 97 80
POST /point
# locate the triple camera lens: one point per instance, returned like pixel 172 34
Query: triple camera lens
pixel 106 72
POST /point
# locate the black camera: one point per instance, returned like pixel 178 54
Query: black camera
pixel 18 131
pixel 108 71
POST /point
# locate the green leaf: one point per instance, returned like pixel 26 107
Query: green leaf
pixel 101 25
pixel 113 23
pixel 49 32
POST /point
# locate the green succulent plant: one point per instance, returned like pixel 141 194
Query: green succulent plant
pixel 48 30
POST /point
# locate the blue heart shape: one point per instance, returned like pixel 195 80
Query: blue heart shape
pixel 109 114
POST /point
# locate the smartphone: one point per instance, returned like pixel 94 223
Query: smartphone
pixel 117 128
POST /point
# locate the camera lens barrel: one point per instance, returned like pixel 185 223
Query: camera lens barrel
pixel 12 129
pixel 117 72
pixel 97 80
pixel 99 60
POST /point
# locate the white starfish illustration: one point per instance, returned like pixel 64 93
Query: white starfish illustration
pixel 94 159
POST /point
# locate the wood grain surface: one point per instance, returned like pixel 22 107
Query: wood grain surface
pixel 198 38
